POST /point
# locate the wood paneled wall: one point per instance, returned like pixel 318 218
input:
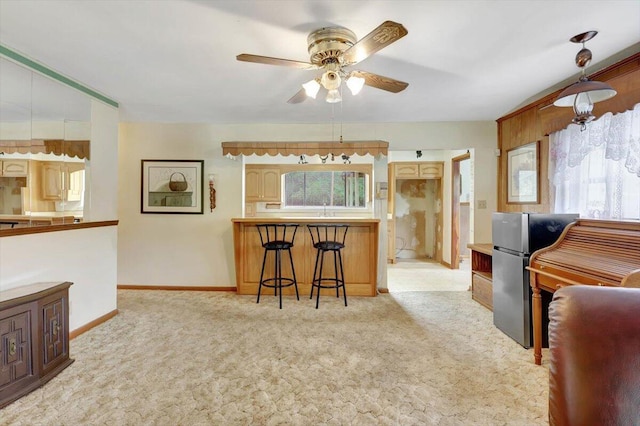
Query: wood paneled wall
pixel 537 120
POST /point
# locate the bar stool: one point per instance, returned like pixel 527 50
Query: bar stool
pixel 328 237
pixel 276 238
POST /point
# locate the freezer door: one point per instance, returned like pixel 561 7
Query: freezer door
pixel 511 296
pixel 509 231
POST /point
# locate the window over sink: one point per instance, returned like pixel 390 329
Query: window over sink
pixel 325 189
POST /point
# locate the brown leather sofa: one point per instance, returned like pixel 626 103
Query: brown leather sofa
pixel 594 362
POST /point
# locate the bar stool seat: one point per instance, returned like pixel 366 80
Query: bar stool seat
pixel 328 238
pixel 277 238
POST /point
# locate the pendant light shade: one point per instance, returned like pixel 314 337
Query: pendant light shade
pixel 596 91
pixel 584 93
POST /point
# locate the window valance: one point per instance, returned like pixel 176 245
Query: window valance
pixel 80 149
pixel 305 148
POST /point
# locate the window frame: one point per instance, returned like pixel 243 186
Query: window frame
pixel 366 169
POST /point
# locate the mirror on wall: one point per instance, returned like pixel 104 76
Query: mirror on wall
pixel 45 128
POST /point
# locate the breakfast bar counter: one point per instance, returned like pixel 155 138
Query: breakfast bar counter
pixel 360 255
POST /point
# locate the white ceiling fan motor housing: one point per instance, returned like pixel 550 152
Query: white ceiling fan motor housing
pixel 327 44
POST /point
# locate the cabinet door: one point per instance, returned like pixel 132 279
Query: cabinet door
pixel 55 341
pixel 270 185
pixel 14 167
pixel 406 170
pixel 253 185
pixel 262 185
pixel 16 363
pixel 52 181
pixel 431 170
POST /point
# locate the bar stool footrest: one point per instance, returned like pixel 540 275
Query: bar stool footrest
pixel 273 282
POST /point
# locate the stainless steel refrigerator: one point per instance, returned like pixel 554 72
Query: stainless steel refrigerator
pixel 515 237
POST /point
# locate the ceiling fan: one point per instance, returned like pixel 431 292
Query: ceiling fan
pixel 333 49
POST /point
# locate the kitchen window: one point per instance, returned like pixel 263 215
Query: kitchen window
pixel 325 188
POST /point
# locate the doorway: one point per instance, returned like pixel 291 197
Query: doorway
pixel 460 208
pixel 415 211
pixel 416 220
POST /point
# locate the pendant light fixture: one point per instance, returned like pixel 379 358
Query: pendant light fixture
pixel 584 93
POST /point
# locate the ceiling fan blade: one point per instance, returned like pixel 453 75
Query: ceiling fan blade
pixel 299 97
pixel 384 35
pixel 246 57
pixel 381 82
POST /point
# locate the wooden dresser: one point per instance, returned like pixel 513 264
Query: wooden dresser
pixel 34 337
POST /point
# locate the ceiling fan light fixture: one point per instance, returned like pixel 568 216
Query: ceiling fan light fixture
pixel 333 96
pixel 330 80
pixel 355 84
pixel 584 93
pixel 311 88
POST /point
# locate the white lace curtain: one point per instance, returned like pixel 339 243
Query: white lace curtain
pixel 596 172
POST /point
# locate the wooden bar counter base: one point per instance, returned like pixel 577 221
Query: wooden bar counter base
pixel 360 255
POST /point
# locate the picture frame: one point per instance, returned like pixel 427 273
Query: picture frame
pixel 172 186
pixel 523 179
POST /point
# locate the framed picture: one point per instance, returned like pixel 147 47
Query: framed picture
pixel 172 186
pixel 522 174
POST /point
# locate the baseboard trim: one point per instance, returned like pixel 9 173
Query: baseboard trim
pixel 383 290
pixel 96 322
pixel 446 264
pixel 173 288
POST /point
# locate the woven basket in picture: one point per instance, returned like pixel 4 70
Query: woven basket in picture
pixel 177 185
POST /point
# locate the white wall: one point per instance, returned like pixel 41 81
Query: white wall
pixel 86 257
pixel 197 250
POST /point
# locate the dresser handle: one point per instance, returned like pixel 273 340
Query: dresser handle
pixel 55 327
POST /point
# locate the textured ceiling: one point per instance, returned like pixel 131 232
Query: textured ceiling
pixel 174 61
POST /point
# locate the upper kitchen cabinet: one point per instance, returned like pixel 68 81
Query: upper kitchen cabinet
pixel 419 170
pixel 14 168
pixel 262 184
pixel 61 181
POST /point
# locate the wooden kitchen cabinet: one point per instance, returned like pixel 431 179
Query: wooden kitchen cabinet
pixel 34 337
pixel 11 168
pixel 407 170
pixel 262 184
pixel 52 181
pixel 62 181
pixel 430 170
pixel 419 170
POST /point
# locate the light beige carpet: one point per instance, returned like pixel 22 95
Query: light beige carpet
pixel 209 358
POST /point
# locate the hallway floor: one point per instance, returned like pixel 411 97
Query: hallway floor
pixel 427 275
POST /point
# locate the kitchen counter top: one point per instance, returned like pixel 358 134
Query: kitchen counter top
pixel 56 218
pixel 305 219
